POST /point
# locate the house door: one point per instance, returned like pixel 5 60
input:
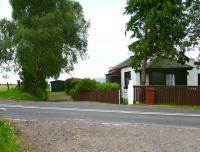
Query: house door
pixel 198 79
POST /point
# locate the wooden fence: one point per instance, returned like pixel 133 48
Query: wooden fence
pixel 99 96
pixel 179 95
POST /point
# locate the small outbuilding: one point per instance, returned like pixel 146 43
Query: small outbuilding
pixel 57 86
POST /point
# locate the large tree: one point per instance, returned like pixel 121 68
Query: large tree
pixel 160 26
pixel 6 41
pixel 49 37
pixel 194 27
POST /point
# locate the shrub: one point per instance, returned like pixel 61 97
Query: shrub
pixel 108 86
pixel 72 92
pixel 70 84
pixel 41 94
pixel 86 85
pixel 82 86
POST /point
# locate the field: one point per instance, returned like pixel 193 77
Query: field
pixel 3 87
pixel 14 94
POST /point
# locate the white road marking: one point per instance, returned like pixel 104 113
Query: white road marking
pixel 102 111
pixel 4 109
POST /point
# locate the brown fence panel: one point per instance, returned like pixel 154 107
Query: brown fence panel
pixel 139 93
pixel 179 95
pixel 98 96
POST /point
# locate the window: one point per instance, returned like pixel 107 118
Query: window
pixel 170 80
pixel 157 78
pixel 127 77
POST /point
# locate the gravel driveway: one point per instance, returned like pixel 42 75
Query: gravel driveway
pixel 86 136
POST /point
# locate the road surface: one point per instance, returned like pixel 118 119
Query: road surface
pixel 103 113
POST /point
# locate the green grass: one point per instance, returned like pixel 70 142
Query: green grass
pixel 58 96
pixel 16 95
pixel 179 106
pixel 197 107
pixel 3 87
pixel 8 141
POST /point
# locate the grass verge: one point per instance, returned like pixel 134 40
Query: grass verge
pixel 171 106
pixel 17 95
pixel 8 141
pixel 58 96
pixel 179 107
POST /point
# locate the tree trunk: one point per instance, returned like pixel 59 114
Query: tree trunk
pixel 144 65
pixel 143 71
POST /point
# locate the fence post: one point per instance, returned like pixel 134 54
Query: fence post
pixel 119 97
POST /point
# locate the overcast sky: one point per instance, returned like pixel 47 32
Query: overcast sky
pixel 107 42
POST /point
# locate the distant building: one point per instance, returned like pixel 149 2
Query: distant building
pixel 57 86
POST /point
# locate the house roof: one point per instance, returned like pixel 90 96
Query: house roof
pixel 125 63
pixel 159 63
pixel 114 72
pixel 163 63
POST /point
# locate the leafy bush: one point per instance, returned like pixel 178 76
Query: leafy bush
pixel 86 85
pixel 82 86
pixel 41 94
pixel 89 85
pixel 8 141
pixel 70 84
pixel 108 86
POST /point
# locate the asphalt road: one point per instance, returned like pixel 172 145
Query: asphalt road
pixel 103 113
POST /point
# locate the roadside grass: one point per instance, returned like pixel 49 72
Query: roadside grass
pixel 17 95
pixel 58 96
pixel 197 107
pixel 8 141
pixel 178 106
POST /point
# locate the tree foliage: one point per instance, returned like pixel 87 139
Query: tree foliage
pixel 49 37
pixel 6 41
pixel 194 27
pixel 160 27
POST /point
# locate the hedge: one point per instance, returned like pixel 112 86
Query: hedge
pixel 72 86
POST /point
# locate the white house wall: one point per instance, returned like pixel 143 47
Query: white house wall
pixel 134 76
pixel 147 79
pixel 138 78
pixel 192 77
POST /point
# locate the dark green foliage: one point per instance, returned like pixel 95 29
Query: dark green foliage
pixel 81 86
pixel 161 27
pixel 194 28
pixel 7 29
pixel 87 84
pixel 8 141
pixel 70 84
pixel 49 37
pixel 108 86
